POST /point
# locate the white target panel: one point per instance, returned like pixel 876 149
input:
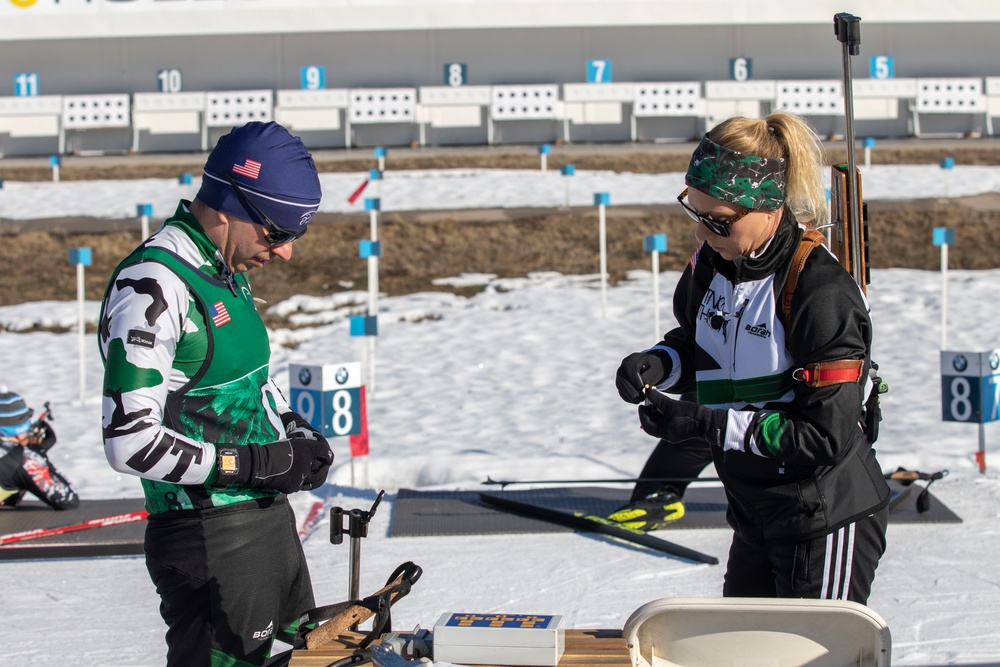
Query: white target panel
pixel 81 112
pixel 30 116
pixel 383 105
pixel 454 95
pixel 810 98
pixel 238 107
pixel 679 98
pixel 754 89
pixel 963 95
pixel 530 102
pixel 598 92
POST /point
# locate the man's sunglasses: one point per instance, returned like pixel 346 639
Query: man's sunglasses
pixel 275 234
pixel 718 227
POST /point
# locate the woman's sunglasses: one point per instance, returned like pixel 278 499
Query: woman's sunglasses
pixel 718 227
pixel 275 234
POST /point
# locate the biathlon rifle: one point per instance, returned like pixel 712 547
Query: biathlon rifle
pixel 848 213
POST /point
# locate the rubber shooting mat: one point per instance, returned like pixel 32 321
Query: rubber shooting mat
pixel 117 540
pixel 425 513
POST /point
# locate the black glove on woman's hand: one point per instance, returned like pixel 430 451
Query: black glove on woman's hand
pixel 675 420
pixel 296 464
pixel 638 370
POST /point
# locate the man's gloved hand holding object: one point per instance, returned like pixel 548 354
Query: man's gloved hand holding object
pixel 300 463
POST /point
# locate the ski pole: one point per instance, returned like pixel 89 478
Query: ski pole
pixel 628 480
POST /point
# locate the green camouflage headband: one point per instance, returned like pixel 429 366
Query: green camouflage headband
pixel 747 180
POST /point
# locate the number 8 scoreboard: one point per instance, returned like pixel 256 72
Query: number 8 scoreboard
pixel 970 386
pixel 328 396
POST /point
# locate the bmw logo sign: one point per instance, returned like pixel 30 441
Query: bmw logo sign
pixel 341 375
pixel 960 362
pixel 305 376
pixel 995 361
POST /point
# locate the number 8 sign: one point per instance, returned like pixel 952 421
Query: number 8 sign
pixel 328 397
pixel 970 386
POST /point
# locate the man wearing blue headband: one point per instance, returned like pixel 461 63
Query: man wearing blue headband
pixel 191 409
pixel 24 463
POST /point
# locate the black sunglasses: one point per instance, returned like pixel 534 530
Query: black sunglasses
pixel 275 234
pixel 718 227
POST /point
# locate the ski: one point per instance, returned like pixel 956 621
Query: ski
pixel 36 533
pixel 596 524
pixel 503 483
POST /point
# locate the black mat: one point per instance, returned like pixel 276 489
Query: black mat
pixel 120 540
pixel 424 513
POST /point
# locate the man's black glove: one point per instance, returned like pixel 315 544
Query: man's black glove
pixel 296 464
pixel 297 427
pixel 675 420
pixel 640 369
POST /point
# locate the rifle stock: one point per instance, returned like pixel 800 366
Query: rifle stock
pixel 843 235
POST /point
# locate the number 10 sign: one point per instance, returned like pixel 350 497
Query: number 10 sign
pixel 328 396
pixel 970 386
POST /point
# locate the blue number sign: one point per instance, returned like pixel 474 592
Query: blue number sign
pixel 26 84
pixel 328 396
pixel 882 67
pixel 598 71
pixel 455 74
pixel 740 69
pixel 313 77
pixel 970 386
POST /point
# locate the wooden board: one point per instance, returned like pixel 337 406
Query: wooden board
pixel 583 649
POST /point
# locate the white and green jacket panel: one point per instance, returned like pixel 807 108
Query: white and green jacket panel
pixel 186 369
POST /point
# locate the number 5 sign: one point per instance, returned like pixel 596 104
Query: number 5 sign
pixel 970 386
pixel 328 397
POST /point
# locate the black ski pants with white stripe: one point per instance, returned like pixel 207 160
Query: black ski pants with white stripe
pixel 838 566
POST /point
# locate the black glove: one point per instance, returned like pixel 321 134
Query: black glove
pixel 297 427
pixel 296 464
pixel 675 420
pixel 640 369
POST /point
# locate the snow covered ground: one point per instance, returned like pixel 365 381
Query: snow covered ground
pixel 518 382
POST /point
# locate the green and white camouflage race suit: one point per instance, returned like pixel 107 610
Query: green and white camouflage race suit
pixel 186 358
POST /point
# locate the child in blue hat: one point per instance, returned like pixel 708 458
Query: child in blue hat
pixel 24 464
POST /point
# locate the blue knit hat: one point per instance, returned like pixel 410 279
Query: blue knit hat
pixel 272 168
pixel 15 415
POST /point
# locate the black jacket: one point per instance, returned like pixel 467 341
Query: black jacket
pixel 796 463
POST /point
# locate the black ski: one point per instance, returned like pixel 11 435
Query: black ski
pixel 595 524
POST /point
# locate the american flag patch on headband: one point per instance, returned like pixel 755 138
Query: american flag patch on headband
pixel 219 314
pixel 250 168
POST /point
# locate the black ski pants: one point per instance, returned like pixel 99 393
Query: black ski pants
pixel 838 566
pixel 228 578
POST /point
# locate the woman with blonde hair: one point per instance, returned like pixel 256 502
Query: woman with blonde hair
pixel 779 404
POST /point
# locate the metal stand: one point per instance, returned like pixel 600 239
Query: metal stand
pixel 356 528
